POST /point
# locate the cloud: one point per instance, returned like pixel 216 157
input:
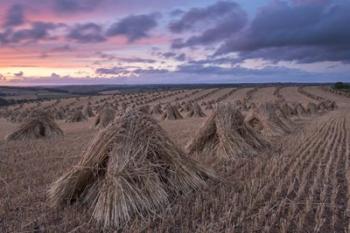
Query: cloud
pixel 2 77
pixel 109 71
pixel 176 12
pixel 73 6
pixel 19 74
pixel 309 2
pixel 63 48
pixel 266 74
pixel 307 33
pixel 37 31
pixel 55 76
pixel 87 33
pixel 121 71
pixel 194 16
pixel 135 60
pixel 134 27
pixel 215 23
pixel 15 16
pixel 110 57
pixel 173 55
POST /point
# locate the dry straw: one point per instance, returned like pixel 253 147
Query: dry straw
pixel 266 120
pixel 104 118
pixel 131 169
pixel 312 108
pixel 171 113
pixel 87 111
pixel 300 110
pixel 76 116
pixel 226 135
pixel 156 109
pixel 40 125
pixel 196 111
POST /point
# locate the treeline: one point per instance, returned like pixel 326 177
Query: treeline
pixel 341 86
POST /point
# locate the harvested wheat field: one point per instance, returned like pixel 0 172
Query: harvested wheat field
pixel 218 159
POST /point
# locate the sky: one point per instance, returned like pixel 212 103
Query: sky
pixel 60 42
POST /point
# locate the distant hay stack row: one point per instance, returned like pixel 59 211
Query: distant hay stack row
pixel 131 168
pixel 41 125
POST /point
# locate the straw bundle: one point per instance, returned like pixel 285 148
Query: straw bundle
pixel 171 113
pixel 131 169
pixel 104 118
pixel 77 116
pixel 196 111
pixel 40 126
pixel 226 135
pixel 266 120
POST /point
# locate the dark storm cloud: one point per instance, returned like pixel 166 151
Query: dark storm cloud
pixel 191 18
pixel 307 33
pixel 37 31
pixel 215 23
pixel 176 12
pixel 87 33
pixel 303 2
pixel 134 27
pixel 72 6
pixel 14 16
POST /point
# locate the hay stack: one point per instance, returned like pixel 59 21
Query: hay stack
pixel 327 105
pixel 87 111
pixel 196 111
pixel 332 105
pixel 171 113
pixel 266 120
pixel 187 106
pixel 59 115
pixel 104 118
pixel 209 106
pixel 40 126
pixel 287 110
pixel 124 106
pixel 77 116
pixel 284 117
pixel 300 110
pixel 156 109
pixel 312 108
pixel 131 169
pixel 226 135
pixel 145 109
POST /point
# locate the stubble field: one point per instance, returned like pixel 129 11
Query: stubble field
pixel 298 182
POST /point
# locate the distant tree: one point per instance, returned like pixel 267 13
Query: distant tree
pixel 341 85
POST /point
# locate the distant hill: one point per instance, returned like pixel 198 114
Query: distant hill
pixel 3 102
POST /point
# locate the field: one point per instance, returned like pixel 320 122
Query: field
pixel 299 183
